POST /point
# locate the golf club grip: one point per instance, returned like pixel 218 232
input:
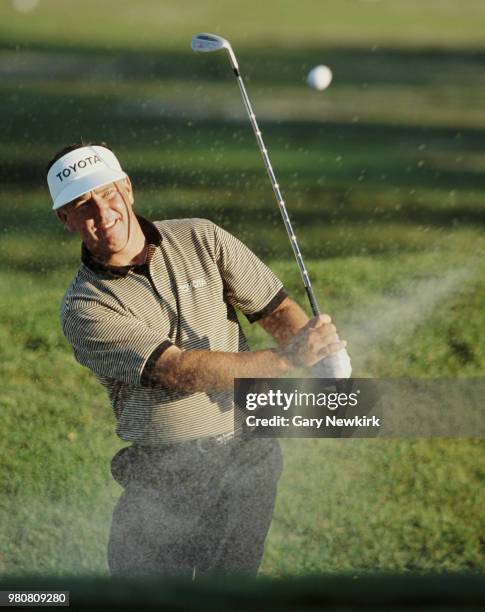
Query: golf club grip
pixel 279 198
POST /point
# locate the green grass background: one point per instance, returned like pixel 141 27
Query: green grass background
pixel 383 176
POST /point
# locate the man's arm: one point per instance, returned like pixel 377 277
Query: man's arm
pixel 199 370
pixel 284 321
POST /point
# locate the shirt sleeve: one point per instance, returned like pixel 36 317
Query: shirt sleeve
pixel 111 344
pixel 250 285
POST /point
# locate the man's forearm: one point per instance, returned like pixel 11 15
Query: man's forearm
pixel 301 345
pixel 284 321
pixel 211 370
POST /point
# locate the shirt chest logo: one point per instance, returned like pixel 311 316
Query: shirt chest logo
pixel 197 283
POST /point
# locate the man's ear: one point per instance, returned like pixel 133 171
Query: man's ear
pixel 129 190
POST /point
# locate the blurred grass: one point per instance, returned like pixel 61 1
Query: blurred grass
pixel 148 24
pixel 383 177
pixel 379 504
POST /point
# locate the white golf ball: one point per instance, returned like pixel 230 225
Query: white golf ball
pixel 319 77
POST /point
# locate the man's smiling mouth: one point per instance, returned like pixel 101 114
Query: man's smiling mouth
pixel 104 228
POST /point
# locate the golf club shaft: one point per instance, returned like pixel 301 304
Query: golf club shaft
pixel 279 197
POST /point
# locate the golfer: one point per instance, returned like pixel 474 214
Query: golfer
pixel 151 312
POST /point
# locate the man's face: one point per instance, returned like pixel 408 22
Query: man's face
pixel 103 217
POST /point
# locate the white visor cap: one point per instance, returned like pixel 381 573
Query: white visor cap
pixel 80 171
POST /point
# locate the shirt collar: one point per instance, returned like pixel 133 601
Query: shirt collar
pixel 153 237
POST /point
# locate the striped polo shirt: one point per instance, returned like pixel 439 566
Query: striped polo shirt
pixel 119 320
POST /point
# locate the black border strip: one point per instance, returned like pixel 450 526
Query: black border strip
pixel 268 309
pixel 147 378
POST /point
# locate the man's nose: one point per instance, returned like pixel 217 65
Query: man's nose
pixel 99 205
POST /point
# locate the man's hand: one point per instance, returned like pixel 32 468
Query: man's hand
pixel 286 321
pixel 316 340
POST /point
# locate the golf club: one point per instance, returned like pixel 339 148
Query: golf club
pixel 206 43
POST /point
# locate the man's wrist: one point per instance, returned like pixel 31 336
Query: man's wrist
pixel 282 360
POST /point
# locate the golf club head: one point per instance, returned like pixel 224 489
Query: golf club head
pixel 205 43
